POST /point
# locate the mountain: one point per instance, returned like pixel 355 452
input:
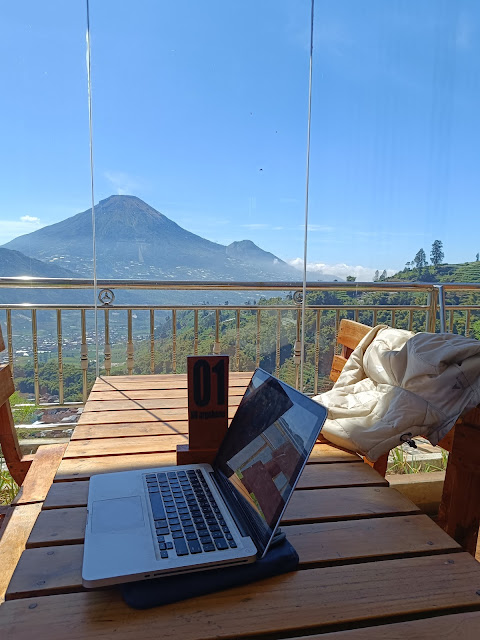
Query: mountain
pixel 134 241
pixel 13 263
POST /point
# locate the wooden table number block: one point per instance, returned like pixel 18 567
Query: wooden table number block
pixel 207 408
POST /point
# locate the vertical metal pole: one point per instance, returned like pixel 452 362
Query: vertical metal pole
pixel 130 347
pixel 441 307
pixel 174 340
pixel 60 356
pixel 297 351
pixel 84 355
pixel 216 345
pixel 195 332
pixel 9 339
pixel 431 317
pixel 107 349
pixel 317 350
pixel 277 344
pixel 36 386
pixel 257 355
pixel 237 341
pixel 152 341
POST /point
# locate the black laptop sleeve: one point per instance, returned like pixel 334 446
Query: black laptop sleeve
pixel 279 559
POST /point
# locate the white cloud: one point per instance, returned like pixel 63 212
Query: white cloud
pixel 255 226
pixel 29 219
pixel 122 182
pixel 362 274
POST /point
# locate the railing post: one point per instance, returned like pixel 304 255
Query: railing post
pixel 36 385
pixel 130 348
pixel 60 356
pixel 441 307
pixel 431 319
pixel 107 350
pixel 217 349
pixel 84 355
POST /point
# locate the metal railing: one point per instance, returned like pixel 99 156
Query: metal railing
pixel 274 322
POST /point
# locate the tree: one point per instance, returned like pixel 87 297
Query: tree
pixel 407 266
pixel 351 278
pixel 436 254
pixel 477 257
pixel 420 260
pixel 383 277
pixel 376 276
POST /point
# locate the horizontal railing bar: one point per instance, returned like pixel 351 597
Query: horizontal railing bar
pixel 211 307
pixel 466 307
pixel 200 285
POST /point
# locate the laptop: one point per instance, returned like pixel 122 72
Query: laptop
pixel 150 523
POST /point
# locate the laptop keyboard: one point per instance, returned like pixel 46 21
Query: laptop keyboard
pixel 187 518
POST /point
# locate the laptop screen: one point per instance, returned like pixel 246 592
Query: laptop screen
pixel 266 447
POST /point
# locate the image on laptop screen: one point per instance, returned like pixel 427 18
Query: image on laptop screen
pixel 266 447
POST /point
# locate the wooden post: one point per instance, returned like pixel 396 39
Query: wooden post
pixel 459 511
pixel 207 408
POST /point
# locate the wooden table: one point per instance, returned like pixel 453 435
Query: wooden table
pixel 371 562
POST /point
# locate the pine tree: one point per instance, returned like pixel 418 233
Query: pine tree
pixel 383 277
pixel 420 260
pixel 436 254
pixel 477 257
pixel 376 276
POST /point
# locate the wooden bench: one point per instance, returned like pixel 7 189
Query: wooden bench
pixel 459 512
pixel 34 475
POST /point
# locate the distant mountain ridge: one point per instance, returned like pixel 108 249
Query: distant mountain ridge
pixel 134 241
pixel 13 263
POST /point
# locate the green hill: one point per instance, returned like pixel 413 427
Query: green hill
pixel 463 272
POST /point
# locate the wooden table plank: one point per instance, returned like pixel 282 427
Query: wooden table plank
pixel 16 528
pixel 123 446
pixel 138 415
pixel 49 570
pixel 67 526
pixel 314 476
pixel 67 494
pixel 167 381
pixel 83 468
pixel 40 475
pixel 147 403
pixel 142 394
pixel 316 505
pixel 458 626
pixel 129 429
pixel 339 474
pixel 58 526
pixel 294 603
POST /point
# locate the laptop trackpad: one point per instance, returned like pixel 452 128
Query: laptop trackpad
pixel 117 514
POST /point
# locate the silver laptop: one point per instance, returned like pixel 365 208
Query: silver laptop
pixel 158 522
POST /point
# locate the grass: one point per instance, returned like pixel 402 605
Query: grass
pixel 404 462
pixel 8 486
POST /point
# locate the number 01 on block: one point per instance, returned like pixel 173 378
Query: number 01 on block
pixel 207 400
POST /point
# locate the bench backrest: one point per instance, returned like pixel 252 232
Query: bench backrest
pixel 17 465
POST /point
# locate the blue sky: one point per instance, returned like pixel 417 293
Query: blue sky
pixel 200 109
